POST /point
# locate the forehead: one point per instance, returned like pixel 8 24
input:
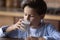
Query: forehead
pixel 30 10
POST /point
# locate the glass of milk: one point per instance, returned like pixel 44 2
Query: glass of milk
pixel 25 25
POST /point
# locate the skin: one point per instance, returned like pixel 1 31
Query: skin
pixel 31 15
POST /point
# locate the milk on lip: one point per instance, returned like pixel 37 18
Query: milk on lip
pixel 25 22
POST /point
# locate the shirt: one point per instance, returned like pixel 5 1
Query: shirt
pixel 46 31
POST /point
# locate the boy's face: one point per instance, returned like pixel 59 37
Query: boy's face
pixel 31 15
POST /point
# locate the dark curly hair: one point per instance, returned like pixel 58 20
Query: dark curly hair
pixel 39 5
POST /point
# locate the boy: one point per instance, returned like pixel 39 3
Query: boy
pixel 34 12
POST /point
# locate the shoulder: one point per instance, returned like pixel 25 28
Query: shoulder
pixel 49 26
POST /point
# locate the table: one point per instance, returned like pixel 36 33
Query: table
pixel 10 39
pixel 20 39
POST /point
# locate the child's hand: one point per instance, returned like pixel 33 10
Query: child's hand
pixel 15 26
pixel 22 24
pixel 19 24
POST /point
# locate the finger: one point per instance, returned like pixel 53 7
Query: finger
pixel 20 27
pixel 20 21
pixel 17 28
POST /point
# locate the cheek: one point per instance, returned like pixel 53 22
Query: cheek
pixel 32 19
pixel 25 17
pixel 35 20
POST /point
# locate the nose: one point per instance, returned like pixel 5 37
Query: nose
pixel 28 17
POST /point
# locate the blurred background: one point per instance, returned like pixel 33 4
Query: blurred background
pixel 10 12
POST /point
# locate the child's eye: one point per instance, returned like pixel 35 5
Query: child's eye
pixel 25 14
pixel 32 16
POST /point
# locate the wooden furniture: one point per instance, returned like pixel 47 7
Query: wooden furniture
pixel 20 39
pixel 20 14
pixel 10 39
